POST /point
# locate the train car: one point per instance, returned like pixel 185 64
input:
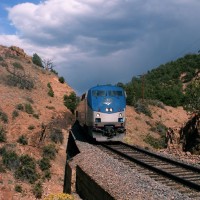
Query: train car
pixel 102 111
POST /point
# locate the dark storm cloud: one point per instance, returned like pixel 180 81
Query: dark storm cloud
pixel 107 41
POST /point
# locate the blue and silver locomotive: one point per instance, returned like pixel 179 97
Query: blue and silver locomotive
pixel 102 112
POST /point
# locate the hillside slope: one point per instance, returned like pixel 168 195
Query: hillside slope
pixel 27 110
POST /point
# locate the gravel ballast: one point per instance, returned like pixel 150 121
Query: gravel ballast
pixel 118 179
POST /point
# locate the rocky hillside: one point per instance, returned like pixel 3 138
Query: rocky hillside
pixel 34 125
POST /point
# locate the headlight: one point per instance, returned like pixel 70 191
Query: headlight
pixel 120 114
pixel 98 115
pixel 106 109
pixel 111 109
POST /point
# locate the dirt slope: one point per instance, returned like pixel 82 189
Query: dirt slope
pixel 47 114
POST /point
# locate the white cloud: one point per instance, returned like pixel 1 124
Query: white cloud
pixel 105 40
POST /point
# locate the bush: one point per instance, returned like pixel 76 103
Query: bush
pixel 22 140
pixel 70 102
pixel 2 134
pixel 154 142
pixel 28 108
pixel 142 107
pixel 54 71
pixel 18 65
pixel 61 79
pixel 18 188
pixel 37 190
pixel 37 60
pixel 10 160
pixel 156 103
pixel 4 64
pixel 27 169
pixel 1 58
pixel 15 114
pixel 49 151
pixel 60 196
pixel 20 82
pixel 47 175
pixel 2 150
pixel 3 116
pixel 20 107
pixel 56 136
pixel 50 92
pixel 44 164
pixel 31 127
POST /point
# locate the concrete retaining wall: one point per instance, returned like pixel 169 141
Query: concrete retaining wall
pixel 88 189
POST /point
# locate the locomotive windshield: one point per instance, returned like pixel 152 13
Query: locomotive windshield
pixel 99 93
pixel 103 93
pixel 115 93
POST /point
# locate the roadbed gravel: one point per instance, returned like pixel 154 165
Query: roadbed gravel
pixel 118 179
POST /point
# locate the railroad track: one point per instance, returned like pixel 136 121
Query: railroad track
pixel 182 177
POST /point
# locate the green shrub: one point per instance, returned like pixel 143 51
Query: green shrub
pixel 54 71
pixel 2 134
pixel 154 142
pixel 51 93
pixel 49 85
pixel 15 114
pixel 10 160
pixel 56 136
pixel 1 59
pixel 36 116
pixel 18 188
pixel 22 140
pixel 20 107
pixel 159 128
pixel 37 190
pixel 61 79
pixel 44 164
pixel 31 127
pixel 3 116
pixel 29 108
pixel 70 101
pixel 47 175
pixel 49 151
pixel 37 60
pixel 18 65
pixel 156 103
pixel 2 150
pixel 27 169
pixel 20 82
pixel 142 107
pixel 4 64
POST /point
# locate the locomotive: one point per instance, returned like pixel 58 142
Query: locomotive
pixel 102 112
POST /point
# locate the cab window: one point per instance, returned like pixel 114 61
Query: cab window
pixel 115 93
pixel 98 93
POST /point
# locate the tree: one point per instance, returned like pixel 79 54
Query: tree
pixel 37 60
pixel 192 96
pixel 48 64
pixel 70 101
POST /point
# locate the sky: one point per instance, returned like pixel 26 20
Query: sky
pixel 102 41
